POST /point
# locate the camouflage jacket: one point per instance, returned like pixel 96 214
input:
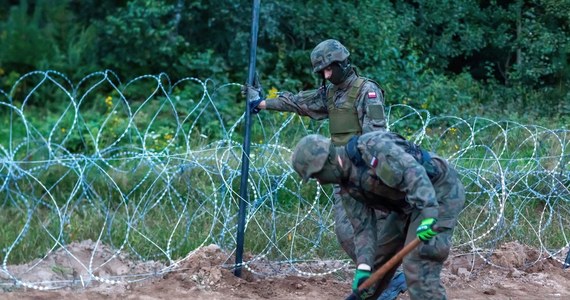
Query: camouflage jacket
pixel 392 179
pixel 313 104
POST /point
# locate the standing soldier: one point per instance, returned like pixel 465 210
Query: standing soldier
pixel 383 171
pixel 353 104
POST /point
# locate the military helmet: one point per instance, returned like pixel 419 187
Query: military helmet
pixel 327 52
pixel 310 155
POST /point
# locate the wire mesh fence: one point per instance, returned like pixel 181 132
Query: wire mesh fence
pixel 101 171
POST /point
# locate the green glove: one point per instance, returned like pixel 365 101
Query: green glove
pixel 425 231
pixel 359 277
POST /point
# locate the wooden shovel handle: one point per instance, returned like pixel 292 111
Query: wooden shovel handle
pixel 391 263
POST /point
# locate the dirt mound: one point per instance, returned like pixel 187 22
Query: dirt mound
pixel 201 272
pixel 515 255
pixel 512 271
pixel 83 263
pixel 524 273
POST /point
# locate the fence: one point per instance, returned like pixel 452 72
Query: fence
pixel 101 172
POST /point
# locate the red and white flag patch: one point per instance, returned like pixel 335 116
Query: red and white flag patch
pixel 374 162
pixel 372 95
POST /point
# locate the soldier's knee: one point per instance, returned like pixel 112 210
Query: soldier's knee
pixel 437 249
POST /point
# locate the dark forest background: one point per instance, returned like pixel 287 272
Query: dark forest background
pixel 502 59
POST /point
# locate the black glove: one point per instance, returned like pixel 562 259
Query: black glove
pixel 253 94
pixel 253 106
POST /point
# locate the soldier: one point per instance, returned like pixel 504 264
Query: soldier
pixel 352 103
pixel 383 171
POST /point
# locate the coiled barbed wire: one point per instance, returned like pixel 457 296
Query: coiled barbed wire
pixel 149 168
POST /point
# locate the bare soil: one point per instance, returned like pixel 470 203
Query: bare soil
pixel 513 271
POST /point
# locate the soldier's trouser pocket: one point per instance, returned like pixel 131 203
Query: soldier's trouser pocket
pixel 437 249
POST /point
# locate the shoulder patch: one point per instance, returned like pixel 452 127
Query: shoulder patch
pixel 374 162
pixel 372 95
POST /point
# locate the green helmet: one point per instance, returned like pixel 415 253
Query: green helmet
pixel 310 155
pixel 326 53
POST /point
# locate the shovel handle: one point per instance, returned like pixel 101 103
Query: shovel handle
pixel 391 263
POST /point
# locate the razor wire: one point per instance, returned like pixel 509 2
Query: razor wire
pixel 150 168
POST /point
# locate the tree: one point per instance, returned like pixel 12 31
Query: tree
pixel 141 38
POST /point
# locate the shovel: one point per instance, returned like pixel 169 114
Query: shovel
pixel 391 263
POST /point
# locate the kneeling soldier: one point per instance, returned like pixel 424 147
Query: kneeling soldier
pixel 382 170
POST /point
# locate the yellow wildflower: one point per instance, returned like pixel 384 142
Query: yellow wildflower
pixel 272 93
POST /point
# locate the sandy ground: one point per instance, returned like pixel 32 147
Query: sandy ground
pixel 202 277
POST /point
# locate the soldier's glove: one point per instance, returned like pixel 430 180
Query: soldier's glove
pixel 362 273
pixel 426 229
pixel 254 106
pixel 254 97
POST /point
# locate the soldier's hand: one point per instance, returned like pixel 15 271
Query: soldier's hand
pixel 362 273
pixel 426 230
pixel 254 91
pixel 250 92
pixel 254 106
pixel 253 95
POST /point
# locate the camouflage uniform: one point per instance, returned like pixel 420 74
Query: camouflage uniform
pixel 369 104
pixel 390 175
pixel 368 110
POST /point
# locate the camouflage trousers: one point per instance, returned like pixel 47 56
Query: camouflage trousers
pixel 345 236
pixel 422 267
pixel 342 226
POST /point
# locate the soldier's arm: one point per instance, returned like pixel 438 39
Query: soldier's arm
pixel 401 171
pixel 305 103
pixel 363 220
pixel 370 108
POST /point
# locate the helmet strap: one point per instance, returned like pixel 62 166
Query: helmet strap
pixel 345 65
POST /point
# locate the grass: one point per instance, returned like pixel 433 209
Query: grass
pixel 149 232
pixel 157 219
pixel 166 220
pixel 127 202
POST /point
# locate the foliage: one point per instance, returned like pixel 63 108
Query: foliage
pixel 488 56
pixel 26 43
pixel 48 38
pixel 141 38
pixel 514 50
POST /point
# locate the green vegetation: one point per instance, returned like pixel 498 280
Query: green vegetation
pixel 502 60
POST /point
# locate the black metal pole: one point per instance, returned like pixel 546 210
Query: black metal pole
pixel 246 142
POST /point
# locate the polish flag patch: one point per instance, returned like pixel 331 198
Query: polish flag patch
pixel 374 162
pixel 372 95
